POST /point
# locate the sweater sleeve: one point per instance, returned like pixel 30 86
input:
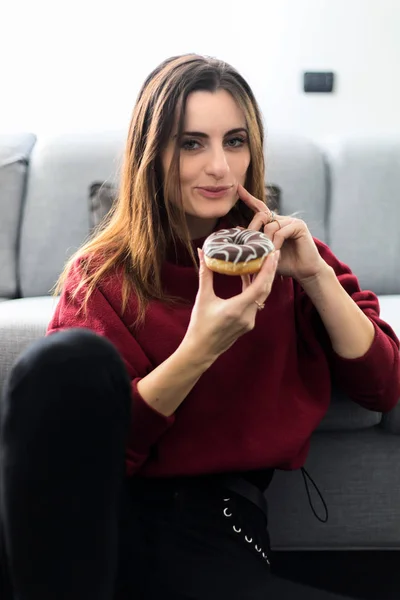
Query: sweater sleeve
pixel 147 425
pixel 372 380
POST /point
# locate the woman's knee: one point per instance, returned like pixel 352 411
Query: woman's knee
pixel 75 361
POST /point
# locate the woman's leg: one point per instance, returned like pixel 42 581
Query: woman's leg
pixel 65 417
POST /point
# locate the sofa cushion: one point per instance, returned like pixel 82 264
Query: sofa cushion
pixel 358 475
pixel 390 312
pixel 102 196
pixel 21 322
pixel 365 208
pixel 345 415
pixel 14 155
pixel 297 166
pixel 56 218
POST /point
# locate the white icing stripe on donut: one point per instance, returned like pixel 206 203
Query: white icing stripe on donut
pixel 238 245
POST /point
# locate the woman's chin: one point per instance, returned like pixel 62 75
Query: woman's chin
pixel 215 211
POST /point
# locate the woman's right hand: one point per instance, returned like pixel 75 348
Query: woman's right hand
pixel 216 324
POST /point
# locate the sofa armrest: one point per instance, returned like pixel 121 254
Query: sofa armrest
pixel 391 420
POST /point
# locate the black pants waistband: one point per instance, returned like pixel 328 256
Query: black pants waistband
pixel 207 484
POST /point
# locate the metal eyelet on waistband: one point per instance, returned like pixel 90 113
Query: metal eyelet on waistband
pixel 248 540
pixel 226 514
pixel 237 530
pixel 266 558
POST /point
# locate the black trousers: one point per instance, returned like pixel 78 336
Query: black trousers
pixel 73 527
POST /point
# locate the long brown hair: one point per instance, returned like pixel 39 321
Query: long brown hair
pixel 144 220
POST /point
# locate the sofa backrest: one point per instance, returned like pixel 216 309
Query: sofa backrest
pixel 364 208
pixel 14 155
pixel 297 166
pixel 56 216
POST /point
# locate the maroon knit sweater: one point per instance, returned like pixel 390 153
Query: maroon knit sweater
pixel 258 404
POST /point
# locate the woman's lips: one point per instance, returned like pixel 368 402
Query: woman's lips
pixel 214 192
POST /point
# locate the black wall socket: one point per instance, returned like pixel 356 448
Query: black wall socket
pixel 318 82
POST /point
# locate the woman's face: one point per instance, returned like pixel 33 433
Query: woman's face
pixel 214 158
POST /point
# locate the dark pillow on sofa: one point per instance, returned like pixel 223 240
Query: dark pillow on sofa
pixel 102 196
pixel 273 197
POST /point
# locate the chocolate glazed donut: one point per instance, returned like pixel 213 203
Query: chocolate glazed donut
pixel 236 251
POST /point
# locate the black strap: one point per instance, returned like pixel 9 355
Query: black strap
pixel 305 473
pixel 244 488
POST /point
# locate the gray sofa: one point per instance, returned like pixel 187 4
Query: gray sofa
pixel 348 191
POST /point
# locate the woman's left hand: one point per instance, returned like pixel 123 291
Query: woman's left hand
pixel 299 258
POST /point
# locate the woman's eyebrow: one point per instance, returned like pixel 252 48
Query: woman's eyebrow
pixel 200 134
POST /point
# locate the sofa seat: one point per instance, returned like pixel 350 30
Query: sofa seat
pixel 26 319
pixel 345 415
pixel 21 322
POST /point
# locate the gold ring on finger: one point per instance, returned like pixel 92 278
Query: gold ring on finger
pixel 260 305
pixel 272 216
pixel 273 219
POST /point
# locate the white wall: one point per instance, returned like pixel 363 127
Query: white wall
pixel 80 67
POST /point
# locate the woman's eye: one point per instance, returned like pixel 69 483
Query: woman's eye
pixel 236 142
pixel 190 145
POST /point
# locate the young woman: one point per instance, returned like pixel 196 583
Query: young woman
pixel 139 435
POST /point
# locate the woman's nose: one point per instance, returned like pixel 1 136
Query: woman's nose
pixel 217 164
